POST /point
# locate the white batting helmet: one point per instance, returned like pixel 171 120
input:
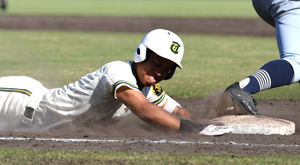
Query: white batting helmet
pixel 165 44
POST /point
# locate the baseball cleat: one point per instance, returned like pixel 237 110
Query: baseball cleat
pixel 245 100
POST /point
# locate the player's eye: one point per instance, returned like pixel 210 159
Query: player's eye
pixel 156 63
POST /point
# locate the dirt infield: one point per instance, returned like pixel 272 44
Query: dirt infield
pixel 132 134
pixel 144 25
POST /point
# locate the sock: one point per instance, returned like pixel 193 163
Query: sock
pixel 273 74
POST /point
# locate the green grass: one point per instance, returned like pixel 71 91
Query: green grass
pixel 211 62
pixel 39 156
pixel 136 8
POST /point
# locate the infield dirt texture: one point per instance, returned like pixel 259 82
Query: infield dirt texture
pixel 140 136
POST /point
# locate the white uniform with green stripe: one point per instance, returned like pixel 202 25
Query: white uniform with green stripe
pixel 93 98
pixel 17 93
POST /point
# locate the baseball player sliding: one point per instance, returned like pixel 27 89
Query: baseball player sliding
pixel 106 95
pixel 284 15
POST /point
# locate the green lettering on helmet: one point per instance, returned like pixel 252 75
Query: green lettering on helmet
pixel 174 47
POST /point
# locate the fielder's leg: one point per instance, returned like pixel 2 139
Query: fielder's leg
pixel 285 16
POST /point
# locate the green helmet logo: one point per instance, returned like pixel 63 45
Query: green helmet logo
pixel 174 47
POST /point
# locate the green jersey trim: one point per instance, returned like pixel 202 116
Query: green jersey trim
pixel 160 99
pixel 121 82
pixel 23 91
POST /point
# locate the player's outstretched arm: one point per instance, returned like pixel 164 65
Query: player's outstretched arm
pixel 145 110
pixel 152 113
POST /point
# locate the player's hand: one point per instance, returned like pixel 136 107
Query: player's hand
pixel 187 126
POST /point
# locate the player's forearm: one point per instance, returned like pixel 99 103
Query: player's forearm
pixel 145 110
pixel 154 114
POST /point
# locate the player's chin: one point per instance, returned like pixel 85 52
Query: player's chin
pixel 148 84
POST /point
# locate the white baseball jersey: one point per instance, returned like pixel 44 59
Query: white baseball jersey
pixel 93 98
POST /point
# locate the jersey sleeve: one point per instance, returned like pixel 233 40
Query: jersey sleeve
pixel 155 94
pixel 158 96
pixel 120 83
pixel 120 74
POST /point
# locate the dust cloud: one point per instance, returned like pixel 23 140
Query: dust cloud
pixel 220 104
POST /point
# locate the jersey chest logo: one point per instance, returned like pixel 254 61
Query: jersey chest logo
pixel 157 89
pixel 174 47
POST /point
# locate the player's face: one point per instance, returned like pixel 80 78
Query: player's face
pixel 154 69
